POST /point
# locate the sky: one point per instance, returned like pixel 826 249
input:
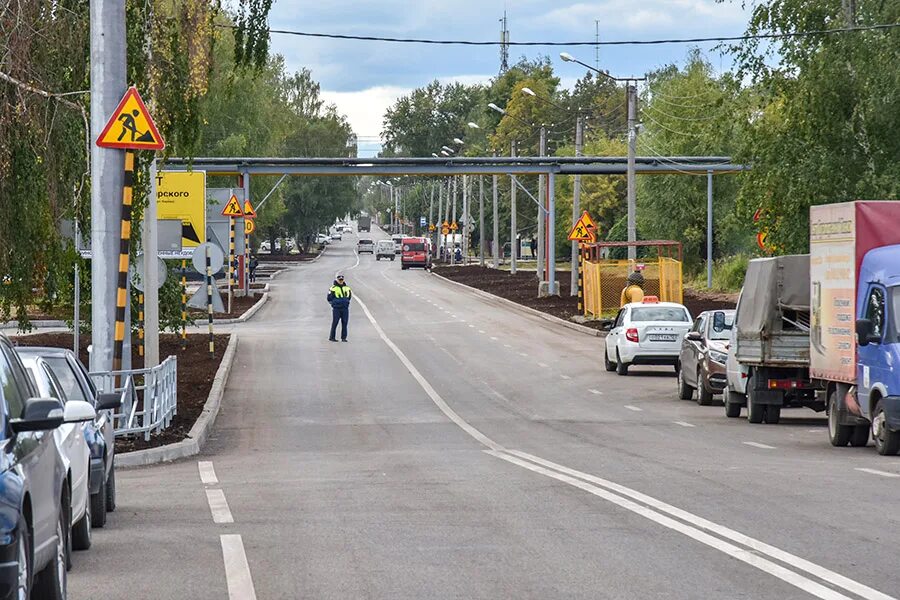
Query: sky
pixel 363 78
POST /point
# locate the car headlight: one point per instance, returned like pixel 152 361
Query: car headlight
pixel 719 357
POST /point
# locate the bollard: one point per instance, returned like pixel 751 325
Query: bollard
pixel 183 304
pixel 209 304
pixel 141 324
pixel 124 249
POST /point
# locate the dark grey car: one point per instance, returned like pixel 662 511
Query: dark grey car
pixel 704 351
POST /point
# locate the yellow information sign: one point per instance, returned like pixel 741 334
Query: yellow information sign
pixel 249 226
pixel 445 229
pixel 130 126
pixel 233 208
pixel 181 195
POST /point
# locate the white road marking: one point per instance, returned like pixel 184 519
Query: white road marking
pixel 876 472
pixel 472 326
pixel 683 423
pixel 237 571
pixel 593 391
pixel 654 509
pixel 565 376
pixel 432 393
pixel 634 408
pixel 694 530
pixel 456 360
pixel 507 345
pixel 758 445
pixel 523 354
pixel 218 506
pixel 543 365
pixel 454 316
pixel 481 331
pixel 493 338
pixel 207 472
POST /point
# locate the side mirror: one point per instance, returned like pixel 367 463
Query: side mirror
pixel 607 326
pixel 864 335
pixel 694 336
pixel 39 414
pixel 109 401
pixel 78 411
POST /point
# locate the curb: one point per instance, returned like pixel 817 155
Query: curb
pixel 46 324
pixel 247 313
pixel 525 309
pixel 198 434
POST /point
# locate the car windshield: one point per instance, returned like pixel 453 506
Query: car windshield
pixel 894 312
pixel 365 242
pixel 720 325
pixel 659 313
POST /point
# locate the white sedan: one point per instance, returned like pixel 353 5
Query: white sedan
pixel 646 333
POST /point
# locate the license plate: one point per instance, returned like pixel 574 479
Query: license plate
pixel 662 337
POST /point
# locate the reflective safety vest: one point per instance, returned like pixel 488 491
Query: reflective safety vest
pixel 340 291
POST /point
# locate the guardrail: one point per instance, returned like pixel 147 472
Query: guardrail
pixel 150 397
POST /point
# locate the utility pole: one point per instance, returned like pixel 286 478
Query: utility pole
pixel 453 233
pixel 481 220
pixel 631 92
pixel 576 204
pixel 151 282
pixel 465 214
pixel 709 228
pixel 108 82
pixel 539 267
pixel 431 207
pixel 513 227
pixel 440 216
pixel 496 226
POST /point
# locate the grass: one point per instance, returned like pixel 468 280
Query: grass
pixel 728 274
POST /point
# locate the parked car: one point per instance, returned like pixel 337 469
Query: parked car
pixel 646 333
pixel 74 449
pixel 336 234
pixel 384 249
pixel 99 434
pixel 397 238
pixel 365 245
pixel 34 495
pixel 704 351
pixel 323 239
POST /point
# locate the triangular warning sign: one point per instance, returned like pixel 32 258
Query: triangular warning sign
pixel 130 126
pixel 233 208
pixel 588 220
pixel 581 232
pixel 249 213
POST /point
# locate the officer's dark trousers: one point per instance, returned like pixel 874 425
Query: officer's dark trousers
pixel 341 315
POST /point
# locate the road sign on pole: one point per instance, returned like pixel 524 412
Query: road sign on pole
pixel 249 227
pixel 249 213
pixel 422 221
pixel 584 229
pixel 130 126
pixel 233 208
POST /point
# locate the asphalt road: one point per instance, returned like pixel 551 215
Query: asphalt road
pixel 457 449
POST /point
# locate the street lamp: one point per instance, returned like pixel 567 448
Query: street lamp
pixel 448 149
pixel 444 153
pixel 434 155
pixel 474 125
pixel 458 141
pixel 493 106
pixel 528 91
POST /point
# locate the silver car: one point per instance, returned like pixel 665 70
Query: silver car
pixel 365 245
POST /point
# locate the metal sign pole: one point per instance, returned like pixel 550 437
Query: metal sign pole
pixel 209 303
pixel 124 249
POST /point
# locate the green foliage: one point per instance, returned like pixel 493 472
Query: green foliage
pixel 728 274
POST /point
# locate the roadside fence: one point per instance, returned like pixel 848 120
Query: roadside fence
pixel 150 397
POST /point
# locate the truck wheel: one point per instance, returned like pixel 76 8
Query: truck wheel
pixel 685 392
pixel 704 396
pixel 838 435
pixel 732 407
pixel 773 414
pixel 755 411
pixel 860 437
pixel 621 367
pixel 610 365
pixel 887 442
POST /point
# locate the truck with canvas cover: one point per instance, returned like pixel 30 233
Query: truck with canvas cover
pixel 772 326
pixel 363 223
pixel 855 327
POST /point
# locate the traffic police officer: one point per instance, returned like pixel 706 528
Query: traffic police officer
pixel 339 297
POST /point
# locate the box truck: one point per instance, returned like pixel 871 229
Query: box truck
pixel 363 223
pixel 855 322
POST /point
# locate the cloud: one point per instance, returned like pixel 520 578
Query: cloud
pixel 649 16
pixel 365 108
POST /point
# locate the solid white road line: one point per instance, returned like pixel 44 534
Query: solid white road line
pixel 634 408
pixel 758 445
pixel 207 472
pixel 593 391
pixel 432 393
pixel 683 423
pixel 543 365
pixel 218 506
pixel 481 331
pixel 565 376
pixel 876 472
pixel 237 571
pixel 751 558
pixel 493 338
pixel 619 494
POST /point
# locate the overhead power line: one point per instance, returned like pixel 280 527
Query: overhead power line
pixel 735 38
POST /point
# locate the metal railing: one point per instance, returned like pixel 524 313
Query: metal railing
pixel 149 397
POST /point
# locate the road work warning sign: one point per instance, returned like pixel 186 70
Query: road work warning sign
pixel 584 229
pixel 181 195
pixel 233 208
pixel 130 126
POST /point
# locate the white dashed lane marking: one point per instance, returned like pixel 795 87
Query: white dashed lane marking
pixel 207 472
pixel 758 445
pixel 633 408
pixel 593 391
pixel 876 472
pixel 683 423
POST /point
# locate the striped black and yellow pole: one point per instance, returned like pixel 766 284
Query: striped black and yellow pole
pixel 141 324
pixel 231 261
pixel 183 304
pixel 124 249
pixel 246 260
pixel 581 278
pixel 209 304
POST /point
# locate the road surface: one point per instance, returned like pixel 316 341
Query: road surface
pixel 457 449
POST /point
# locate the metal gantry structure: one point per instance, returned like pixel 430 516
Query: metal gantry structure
pixel 547 167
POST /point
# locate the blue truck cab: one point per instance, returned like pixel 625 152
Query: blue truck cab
pixel 878 339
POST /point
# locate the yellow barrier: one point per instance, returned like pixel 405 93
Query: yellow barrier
pixel 605 279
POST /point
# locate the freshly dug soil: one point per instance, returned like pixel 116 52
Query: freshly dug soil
pixel 239 305
pixel 279 258
pixel 523 286
pixel 196 371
